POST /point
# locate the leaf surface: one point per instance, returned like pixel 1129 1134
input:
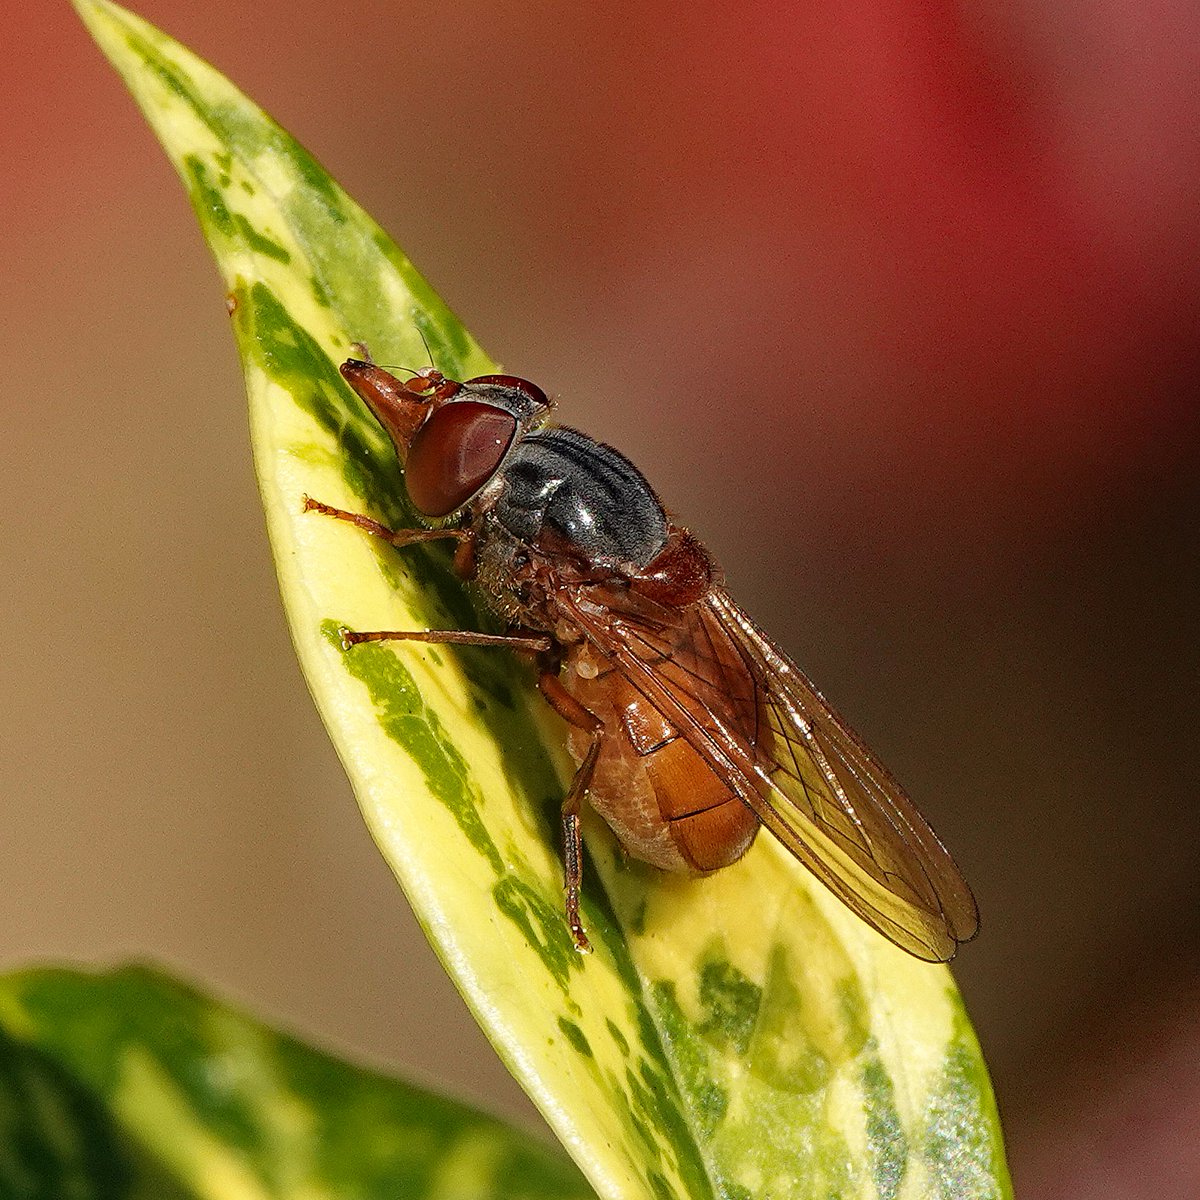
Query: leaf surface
pixel 128 1084
pixel 741 1035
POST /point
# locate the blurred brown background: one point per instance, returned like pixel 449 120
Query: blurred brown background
pixel 895 301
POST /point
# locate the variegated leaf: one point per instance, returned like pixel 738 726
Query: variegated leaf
pixel 741 1035
pixel 127 1084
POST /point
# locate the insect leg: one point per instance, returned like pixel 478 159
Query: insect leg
pixel 464 562
pixel 452 637
pixel 397 537
pixel 576 714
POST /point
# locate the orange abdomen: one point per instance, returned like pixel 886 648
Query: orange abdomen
pixel 666 805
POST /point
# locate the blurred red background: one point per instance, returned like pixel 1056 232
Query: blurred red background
pixel 895 302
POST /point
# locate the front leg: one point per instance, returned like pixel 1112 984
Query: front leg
pixel 464 556
pixel 464 562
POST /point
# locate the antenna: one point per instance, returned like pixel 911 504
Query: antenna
pixel 428 352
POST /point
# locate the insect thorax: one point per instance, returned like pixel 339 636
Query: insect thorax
pixel 562 508
pixel 563 488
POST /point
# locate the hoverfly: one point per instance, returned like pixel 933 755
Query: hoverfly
pixel 689 726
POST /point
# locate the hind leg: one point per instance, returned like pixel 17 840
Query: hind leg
pixel 576 714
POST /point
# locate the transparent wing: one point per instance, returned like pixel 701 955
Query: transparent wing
pixel 759 722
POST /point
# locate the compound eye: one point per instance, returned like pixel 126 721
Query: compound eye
pixel 530 390
pixel 455 453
